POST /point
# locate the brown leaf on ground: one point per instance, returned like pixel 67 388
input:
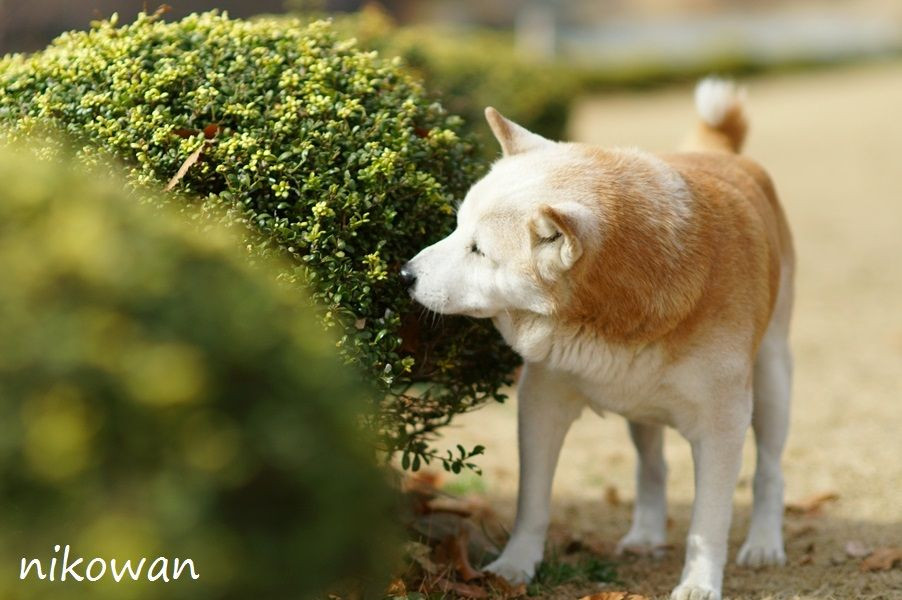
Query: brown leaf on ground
pixel 454 506
pixel 799 531
pixel 573 544
pixel 464 590
pixel 856 549
pixel 457 551
pixel 655 551
pixel 808 556
pixel 422 555
pixel 396 588
pixel 812 505
pixel 882 559
pixel 503 587
pixel 614 596
pixel 612 496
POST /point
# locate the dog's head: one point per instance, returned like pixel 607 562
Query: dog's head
pixel 519 231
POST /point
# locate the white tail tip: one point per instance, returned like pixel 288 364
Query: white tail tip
pixel 715 97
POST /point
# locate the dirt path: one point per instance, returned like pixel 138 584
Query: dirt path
pixel 833 144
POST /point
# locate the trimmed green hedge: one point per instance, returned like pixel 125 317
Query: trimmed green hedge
pixel 469 70
pixel 330 156
pixel 163 398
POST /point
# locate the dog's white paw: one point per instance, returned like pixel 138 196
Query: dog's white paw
pixel 512 572
pixel 761 553
pixel 686 591
pixel 643 543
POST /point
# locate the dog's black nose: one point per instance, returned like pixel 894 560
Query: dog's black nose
pixel 408 277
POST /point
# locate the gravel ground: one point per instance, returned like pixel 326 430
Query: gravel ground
pixel 832 141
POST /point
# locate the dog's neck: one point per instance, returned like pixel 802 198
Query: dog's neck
pixel 562 346
pixel 648 272
pixel 641 282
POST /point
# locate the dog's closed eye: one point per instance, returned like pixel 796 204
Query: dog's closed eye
pixel 553 238
pixel 475 249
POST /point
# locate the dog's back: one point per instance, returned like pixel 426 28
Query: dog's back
pixel 738 193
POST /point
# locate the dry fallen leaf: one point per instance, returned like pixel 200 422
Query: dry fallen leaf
pixel 611 496
pixel 503 587
pixel 457 550
pixel 882 559
pixel 655 551
pixel 614 596
pixel 808 556
pixel 574 543
pixel 812 505
pixel 189 162
pixel 454 506
pixel 421 554
pixel 426 482
pixel 799 531
pixel 396 588
pixel 856 549
pixel 211 130
pixel 465 590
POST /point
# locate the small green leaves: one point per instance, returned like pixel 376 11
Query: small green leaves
pixel 319 157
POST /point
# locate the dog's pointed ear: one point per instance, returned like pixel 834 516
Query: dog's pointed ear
pixel 514 139
pixel 556 233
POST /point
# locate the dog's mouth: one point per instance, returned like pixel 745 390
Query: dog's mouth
pixel 444 307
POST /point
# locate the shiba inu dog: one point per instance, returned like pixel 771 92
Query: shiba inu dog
pixel 659 287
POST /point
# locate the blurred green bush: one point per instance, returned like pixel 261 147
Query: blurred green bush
pixel 328 155
pixel 162 398
pixel 474 67
pixel 469 70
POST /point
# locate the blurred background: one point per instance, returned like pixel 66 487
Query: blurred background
pixel 591 31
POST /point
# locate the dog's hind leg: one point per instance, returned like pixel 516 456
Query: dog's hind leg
pixel 648 533
pixel 547 406
pixel 770 420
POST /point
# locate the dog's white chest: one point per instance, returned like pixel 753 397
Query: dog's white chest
pixel 630 382
pixel 629 385
pixel 640 384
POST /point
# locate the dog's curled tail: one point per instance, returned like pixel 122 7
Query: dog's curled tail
pixel 721 106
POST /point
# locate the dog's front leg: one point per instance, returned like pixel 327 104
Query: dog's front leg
pixel 717 454
pixel 547 406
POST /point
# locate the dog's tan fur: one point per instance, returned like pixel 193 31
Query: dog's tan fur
pixel 636 289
